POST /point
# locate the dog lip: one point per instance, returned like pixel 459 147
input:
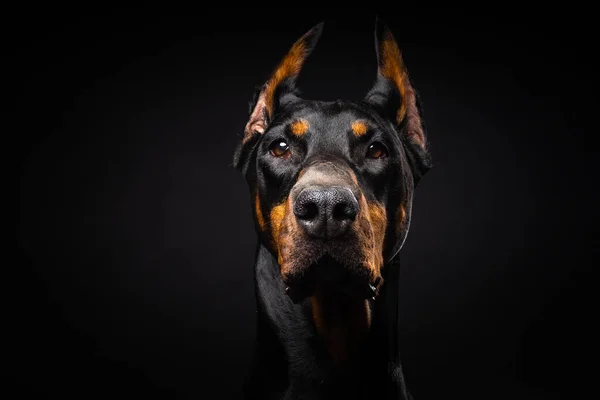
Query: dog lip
pixel 298 291
pixel 329 273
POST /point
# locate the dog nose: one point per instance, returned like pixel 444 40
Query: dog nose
pixel 325 212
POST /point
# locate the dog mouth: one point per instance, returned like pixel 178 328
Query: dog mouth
pixel 335 276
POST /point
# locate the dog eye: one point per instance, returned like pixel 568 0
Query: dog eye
pixel 280 149
pixel 377 150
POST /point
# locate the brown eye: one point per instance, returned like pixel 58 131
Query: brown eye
pixel 280 149
pixel 377 150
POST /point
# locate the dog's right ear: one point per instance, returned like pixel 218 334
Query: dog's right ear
pixel 278 88
pixel 395 98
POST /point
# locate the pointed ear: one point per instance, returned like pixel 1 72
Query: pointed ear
pixel 393 94
pixel 281 83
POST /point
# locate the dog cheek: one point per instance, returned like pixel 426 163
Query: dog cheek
pixel 260 219
pixel 285 242
pixel 290 252
pixel 285 235
pixel 370 233
pixel 401 220
pixel 378 219
pixel 276 219
pixel 364 236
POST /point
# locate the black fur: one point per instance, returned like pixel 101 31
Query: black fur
pixel 290 361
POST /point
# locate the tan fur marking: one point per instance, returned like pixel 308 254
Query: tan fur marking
pixel 288 67
pixel 400 218
pixel 353 177
pixel 359 128
pixel 276 217
pixel 392 67
pixel 370 231
pixel 299 127
pixel 378 219
pixel 259 215
pixel 285 233
pixel 289 235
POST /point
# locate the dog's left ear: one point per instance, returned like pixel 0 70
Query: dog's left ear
pixel 395 98
pixel 279 88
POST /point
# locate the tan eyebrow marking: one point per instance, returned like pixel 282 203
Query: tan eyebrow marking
pixel 299 127
pixel 359 127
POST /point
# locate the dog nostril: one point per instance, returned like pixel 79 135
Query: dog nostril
pixel 344 211
pixel 306 210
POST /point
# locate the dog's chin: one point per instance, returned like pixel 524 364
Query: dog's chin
pixel 332 275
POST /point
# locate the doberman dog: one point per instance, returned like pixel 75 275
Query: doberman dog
pixel 331 187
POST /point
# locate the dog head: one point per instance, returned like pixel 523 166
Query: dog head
pixel 332 182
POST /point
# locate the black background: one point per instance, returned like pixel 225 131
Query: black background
pixel 135 235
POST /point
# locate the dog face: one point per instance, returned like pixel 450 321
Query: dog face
pixel 332 182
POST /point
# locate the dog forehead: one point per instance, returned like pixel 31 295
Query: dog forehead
pixel 328 121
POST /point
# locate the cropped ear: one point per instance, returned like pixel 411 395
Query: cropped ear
pixel 277 90
pixel 282 82
pixel 393 94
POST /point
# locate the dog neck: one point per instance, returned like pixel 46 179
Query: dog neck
pixel 292 356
